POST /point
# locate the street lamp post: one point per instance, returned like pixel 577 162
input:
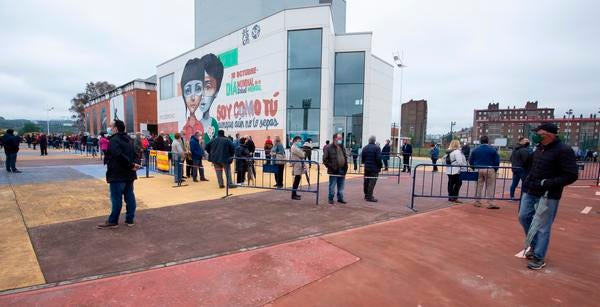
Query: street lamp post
pixel 48 119
pixel 452 124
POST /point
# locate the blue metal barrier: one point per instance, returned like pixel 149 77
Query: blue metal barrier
pixel 430 184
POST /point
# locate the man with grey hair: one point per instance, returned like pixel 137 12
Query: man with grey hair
pixel 371 158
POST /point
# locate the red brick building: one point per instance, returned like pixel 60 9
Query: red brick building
pixel 134 103
pixel 512 123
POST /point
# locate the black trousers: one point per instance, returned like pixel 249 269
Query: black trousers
pixel 188 167
pixel 241 175
pixel 296 184
pixel 454 184
pixel 369 184
pixel 406 162
pixel 434 161
pixel 44 150
pixel 279 175
pixel 355 161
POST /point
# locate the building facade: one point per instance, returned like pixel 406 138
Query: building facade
pixel 413 121
pixel 513 123
pixel 509 123
pixel 218 18
pixel 289 74
pixel 133 102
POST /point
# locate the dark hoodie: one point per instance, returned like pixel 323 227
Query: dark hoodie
pixel 520 156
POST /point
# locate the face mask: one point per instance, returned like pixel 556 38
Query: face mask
pixel 526 144
pixel 109 131
pixel 536 139
pixel 339 142
pixel 299 144
pixel 205 103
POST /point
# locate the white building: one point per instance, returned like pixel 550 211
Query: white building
pixel 286 74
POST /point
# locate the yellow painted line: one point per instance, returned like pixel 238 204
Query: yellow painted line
pixel 18 263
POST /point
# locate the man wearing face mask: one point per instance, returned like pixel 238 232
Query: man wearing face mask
pixel 518 159
pixel 336 161
pixel 553 166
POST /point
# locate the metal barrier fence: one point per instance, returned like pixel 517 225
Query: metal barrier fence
pixel 428 183
pixel 263 173
pixel 395 166
pixel 589 171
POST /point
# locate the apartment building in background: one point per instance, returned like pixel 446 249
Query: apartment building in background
pixel 413 121
pixel 513 123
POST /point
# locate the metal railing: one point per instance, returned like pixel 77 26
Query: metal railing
pixel 428 183
pixel 264 171
pixel 589 171
pixel 395 166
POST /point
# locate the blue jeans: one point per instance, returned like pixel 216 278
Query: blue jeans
pixel 11 161
pixel 518 175
pixel 339 181
pixel 118 190
pixel 527 211
pixel 177 163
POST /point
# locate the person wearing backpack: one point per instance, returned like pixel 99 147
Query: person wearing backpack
pixel 456 162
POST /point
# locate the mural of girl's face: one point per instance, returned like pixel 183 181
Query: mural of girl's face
pixel 192 92
pixel 209 93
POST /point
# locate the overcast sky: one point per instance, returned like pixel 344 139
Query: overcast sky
pixel 460 54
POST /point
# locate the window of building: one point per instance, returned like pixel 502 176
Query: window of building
pixel 167 89
pixel 348 95
pixel 129 124
pixel 304 84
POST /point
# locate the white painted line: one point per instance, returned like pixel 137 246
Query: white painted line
pixel 586 210
pixel 598 193
pixel 521 254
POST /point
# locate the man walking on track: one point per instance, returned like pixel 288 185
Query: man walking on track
pixel 552 167
pixel 120 173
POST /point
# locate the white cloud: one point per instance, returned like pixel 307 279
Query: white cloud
pixel 460 54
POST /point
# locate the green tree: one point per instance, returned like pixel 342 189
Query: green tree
pixel 29 127
pixel 92 90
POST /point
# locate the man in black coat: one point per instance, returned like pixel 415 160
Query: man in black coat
pixel 220 153
pixel 11 144
pixel 371 157
pixel 519 159
pixel 121 167
pixel 552 167
pixel 407 151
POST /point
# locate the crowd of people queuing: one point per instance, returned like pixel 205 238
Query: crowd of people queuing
pixel 543 170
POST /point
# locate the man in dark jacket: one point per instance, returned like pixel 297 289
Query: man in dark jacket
pixel 485 159
pixel 371 157
pixel 407 151
pixel 220 153
pixel 336 161
pixel 11 144
pixel 197 155
pixel 466 150
pixel 121 167
pixel 43 144
pixel 552 167
pixel 385 154
pixel 518 160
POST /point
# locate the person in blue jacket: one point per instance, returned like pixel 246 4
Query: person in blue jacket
pixel 385 154
pixel 197 155
pixel 485 159
pixel 434 152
